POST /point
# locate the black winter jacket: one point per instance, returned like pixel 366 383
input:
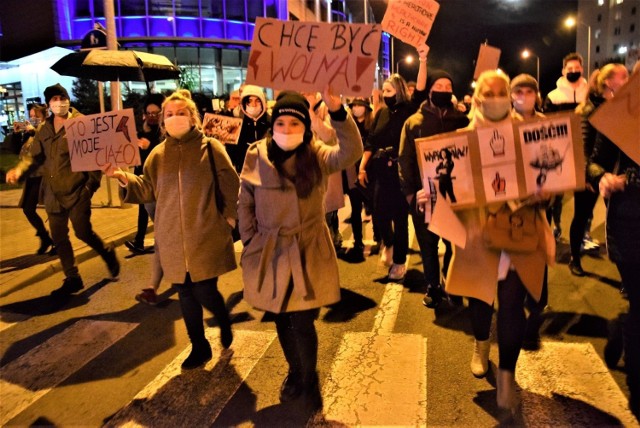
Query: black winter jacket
pixel 427 122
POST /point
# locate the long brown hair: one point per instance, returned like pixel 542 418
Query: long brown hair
pixel 308 173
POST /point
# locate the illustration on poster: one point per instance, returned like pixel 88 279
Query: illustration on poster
pixel 548 159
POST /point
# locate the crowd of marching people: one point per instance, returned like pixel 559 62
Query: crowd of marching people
pixel 278 191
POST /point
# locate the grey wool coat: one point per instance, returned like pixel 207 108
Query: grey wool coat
pixel 287 239
pixel 192 235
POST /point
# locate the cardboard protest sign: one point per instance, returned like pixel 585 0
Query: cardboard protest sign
pixel 226 129
pixel 503 162
pixel 306 56
pixel 488 59
pixel 97 139
pixel 619 118
pixel 410 20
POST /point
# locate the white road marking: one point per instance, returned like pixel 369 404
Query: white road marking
pixel 568 384
pixel 196 397
pixel 29 377
pixel 371 368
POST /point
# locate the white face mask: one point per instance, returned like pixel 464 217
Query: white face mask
pixel 358 111
pixel 495 109
pixel 524 105
pixel 253 111
pixel 288 142
pixel 177 126
pixel 59 108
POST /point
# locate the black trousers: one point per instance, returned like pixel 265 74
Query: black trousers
pixel 355 198
pixel 511 319
pixel 143 221
pixel 583 203
pixel 299 340
pixel 80 216
pixel 630 274
pixel 193 297
pixel 428 242
pixel 30 197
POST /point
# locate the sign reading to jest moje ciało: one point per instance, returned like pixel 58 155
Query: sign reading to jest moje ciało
pixel 99 139
pixel 306 56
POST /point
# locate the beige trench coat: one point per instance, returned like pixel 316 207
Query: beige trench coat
pixel 286 238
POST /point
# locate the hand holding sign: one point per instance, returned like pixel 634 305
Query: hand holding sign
pixel 333 102
pixel 112 172
pixel 423 51
pixel 104 138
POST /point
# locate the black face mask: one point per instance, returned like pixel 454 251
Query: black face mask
pixel 390 101
pixel 441 99
pixel 573 76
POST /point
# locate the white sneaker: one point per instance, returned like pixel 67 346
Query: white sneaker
pixel 386 255
pixel 397 272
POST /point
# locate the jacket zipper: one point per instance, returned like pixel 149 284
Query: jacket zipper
pixel 184 248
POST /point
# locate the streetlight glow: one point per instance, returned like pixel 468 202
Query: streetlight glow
pixel 526 54
pixel 571 22
pixel 407 59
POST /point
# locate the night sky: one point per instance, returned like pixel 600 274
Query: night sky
pixel 510 25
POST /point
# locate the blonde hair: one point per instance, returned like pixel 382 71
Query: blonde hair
pixel 482 80
pixel 191 107
pixel 605 74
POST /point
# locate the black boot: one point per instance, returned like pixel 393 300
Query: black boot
pixel 434 296
pixel 112 262
pixel 69 286
pixel 291 387
pixel 200 354
pixel 45 243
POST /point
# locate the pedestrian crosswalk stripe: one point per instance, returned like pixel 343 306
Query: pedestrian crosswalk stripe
pixel 376 379
pixel 568 384
pixel 29 377
pixel 195 398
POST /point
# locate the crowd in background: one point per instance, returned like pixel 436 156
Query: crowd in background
pixel 278 191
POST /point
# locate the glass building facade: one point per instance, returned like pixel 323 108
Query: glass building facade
pixel 208 39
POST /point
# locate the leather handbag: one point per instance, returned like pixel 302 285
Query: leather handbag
pixel 512 231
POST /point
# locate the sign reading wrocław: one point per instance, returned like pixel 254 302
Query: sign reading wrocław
pixel 306 56
pixel 98 139
pixel 506 161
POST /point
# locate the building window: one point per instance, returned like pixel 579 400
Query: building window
pixel 619 1
pixel 618 15
pixel 615 47
pixel 616 31
pixel 598 49
pixel 632 28
pixel 600 2
pixel 633 10
pixel 599 17
pixel 597 33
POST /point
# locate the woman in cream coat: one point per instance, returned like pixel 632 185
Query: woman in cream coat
pixel 475 270
pixel 289 264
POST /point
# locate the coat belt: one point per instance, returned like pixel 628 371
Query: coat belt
pixel 293 251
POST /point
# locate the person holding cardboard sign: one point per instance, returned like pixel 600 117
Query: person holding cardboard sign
pixel 380 159
pixel 289 265
pixel 436 115
pixel 67 194
pixel 476 269
pixel 192 227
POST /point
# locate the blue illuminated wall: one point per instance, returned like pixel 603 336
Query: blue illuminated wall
pixel 199 19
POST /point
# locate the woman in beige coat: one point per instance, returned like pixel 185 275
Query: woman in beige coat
pixel 475 269
pixel 288 263
pixel 193 231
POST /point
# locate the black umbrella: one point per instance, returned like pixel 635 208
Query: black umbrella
pixel 112 66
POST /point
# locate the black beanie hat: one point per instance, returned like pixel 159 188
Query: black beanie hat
pixel 359 101
pixel 54 90
pixel 435 75
pixel 293 104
